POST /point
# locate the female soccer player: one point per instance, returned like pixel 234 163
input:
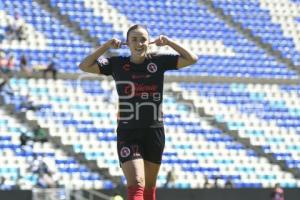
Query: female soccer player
pixel 139 82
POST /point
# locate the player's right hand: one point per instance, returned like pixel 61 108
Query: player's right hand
pixel 115 43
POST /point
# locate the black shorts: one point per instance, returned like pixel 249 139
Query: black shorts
pixel 145 143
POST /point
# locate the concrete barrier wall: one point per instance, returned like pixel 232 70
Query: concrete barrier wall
pixel 180 194
pixel 16 195
pixel 219 194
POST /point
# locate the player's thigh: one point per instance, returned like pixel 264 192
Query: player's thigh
pixel 151 173
pixel 153 150
pixel 134 172
pixel 130 154
pixel 153 145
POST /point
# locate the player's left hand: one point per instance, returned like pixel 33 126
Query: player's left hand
pixel 162 40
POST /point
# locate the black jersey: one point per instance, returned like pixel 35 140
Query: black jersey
pixel 140 88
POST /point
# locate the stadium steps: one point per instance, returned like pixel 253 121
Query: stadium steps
pixel 91 164
pixel 248 34
pixel 170 78
pixel 245 141
pixel 73 26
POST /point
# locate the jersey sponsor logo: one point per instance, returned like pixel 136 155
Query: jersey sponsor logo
pixel 124 152
pixel 152 67
pixel 126 67
pixel 138 88
pixel 103 61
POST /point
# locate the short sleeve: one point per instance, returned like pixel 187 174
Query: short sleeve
pixel 168 62
pixel 105 66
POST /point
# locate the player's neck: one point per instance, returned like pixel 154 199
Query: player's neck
pixel 137 60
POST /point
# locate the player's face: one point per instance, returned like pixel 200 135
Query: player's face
pixel 138 42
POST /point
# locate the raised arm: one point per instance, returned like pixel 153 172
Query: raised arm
pixel 89 63
pixel 186 57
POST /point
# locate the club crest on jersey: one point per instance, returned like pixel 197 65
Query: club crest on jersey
pixel 124 152
pixel 152 67
pixel 103 61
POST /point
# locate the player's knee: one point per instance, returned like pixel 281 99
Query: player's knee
pixel 137 181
